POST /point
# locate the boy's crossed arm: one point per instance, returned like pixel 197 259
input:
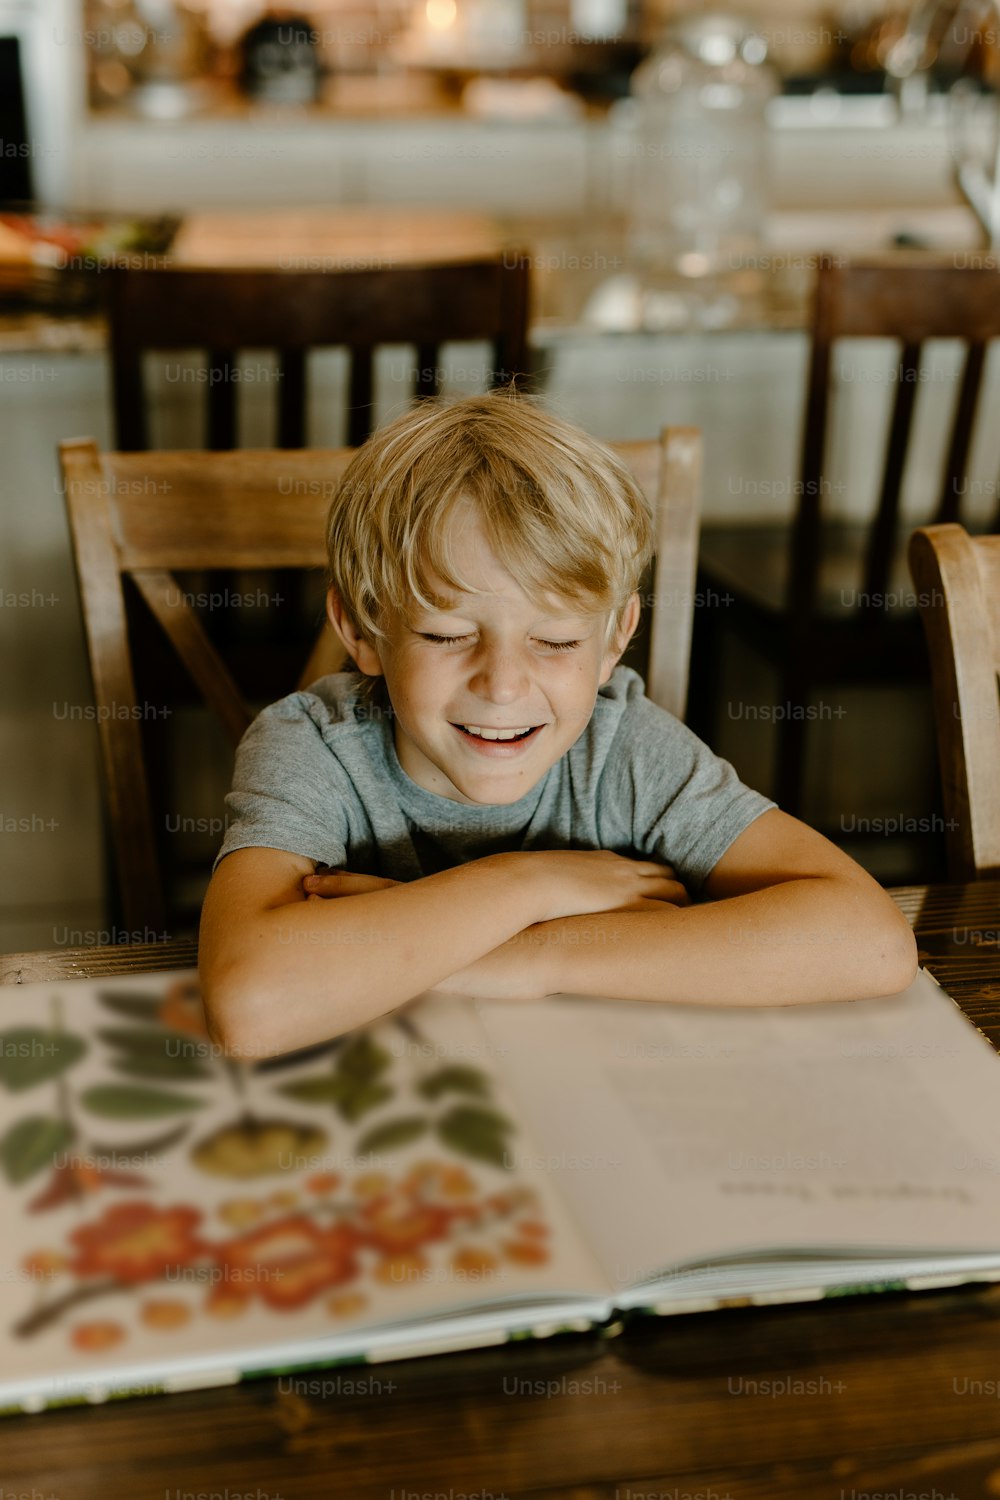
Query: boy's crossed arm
pixel 789 918
pixel 281 969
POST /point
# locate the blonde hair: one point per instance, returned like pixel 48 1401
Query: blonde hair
pixel 562 513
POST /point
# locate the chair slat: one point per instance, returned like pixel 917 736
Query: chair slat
pixel 914 296
pixel 326 656
pixel 428 381
pixel 268 507
pixel 676 513
pixel 359 410
pixel 89 505
pixel 961 434
pixel 878 558
pixel 292 400
pixel 127 390
pixel 221 400
pixel 188 637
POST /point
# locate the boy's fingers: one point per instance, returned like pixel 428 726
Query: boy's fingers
pixel 343 883
pixel 673 892
pixel 652 903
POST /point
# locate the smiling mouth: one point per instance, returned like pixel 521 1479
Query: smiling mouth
pixel 496 736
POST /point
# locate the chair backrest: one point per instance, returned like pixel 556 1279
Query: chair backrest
pixel 224 311
pixel 910 297
pixel 144 515
pixel 957 578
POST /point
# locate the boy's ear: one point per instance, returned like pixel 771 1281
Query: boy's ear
pixel 627 629
pixel 364 656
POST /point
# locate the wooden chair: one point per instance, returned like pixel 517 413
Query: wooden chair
pixel 226 310
pixel 811 598
pixel 134 518
pixel 957 578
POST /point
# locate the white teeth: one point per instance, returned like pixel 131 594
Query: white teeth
pixel 494 734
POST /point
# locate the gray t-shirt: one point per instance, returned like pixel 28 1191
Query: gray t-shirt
pixel 317 774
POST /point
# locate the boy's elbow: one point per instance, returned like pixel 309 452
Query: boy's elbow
pixel 896 958
pixel 235 1017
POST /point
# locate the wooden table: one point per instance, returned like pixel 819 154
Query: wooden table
pixel 876 1390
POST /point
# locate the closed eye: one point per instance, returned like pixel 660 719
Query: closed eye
pixel 456 640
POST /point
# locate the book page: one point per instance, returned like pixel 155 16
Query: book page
pixel 166 1208
pixel 685 1133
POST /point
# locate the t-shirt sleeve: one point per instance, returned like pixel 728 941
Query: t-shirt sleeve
pixel 688 804
pixel 289 791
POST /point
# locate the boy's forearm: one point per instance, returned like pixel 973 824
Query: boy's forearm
pixel 315 968
pixel 800 941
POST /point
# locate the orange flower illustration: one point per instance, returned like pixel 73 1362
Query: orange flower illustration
pixel 182 1009
pixel 93 1337
pixel 290 1260
pixel 136 1242
pixel 165 1312
pixel 397 1221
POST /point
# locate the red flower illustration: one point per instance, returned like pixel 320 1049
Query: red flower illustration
pixel 290 1260
pixel 137 1242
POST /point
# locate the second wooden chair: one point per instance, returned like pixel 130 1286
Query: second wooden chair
pixel 814 598
pixel 958 588
pixel 224 311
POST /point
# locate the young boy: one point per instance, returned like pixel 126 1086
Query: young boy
pixel 510 816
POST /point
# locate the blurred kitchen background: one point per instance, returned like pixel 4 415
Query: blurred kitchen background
pixel 156 105
pixel 128 124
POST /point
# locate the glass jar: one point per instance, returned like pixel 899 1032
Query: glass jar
pixel 699 188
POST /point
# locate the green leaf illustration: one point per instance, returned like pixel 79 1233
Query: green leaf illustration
pixel 362 1099
pixel 393 1133
pixel 136 1007
pixel 156 1054
pixel 119 1101
pixel 477 1132
pixel 323 1089
pixel 31 1144
pixel 461 1079
pixel 352 1097
pixel 139 1039
pixel 363 1059
pixel 177 1069
pixel 29 1055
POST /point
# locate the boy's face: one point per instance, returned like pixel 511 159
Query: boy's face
pixel 500 667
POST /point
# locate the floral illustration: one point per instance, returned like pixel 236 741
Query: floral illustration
pixel 293 1233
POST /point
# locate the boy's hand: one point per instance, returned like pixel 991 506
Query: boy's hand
pixel 600 881
pixel 510 972
pixel 343 883
pixel 580 882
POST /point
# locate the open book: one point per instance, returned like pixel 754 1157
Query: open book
pixel 464 1172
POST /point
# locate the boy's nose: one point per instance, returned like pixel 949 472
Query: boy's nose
pixel 500 676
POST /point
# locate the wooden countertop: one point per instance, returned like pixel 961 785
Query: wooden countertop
pixel 583 283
